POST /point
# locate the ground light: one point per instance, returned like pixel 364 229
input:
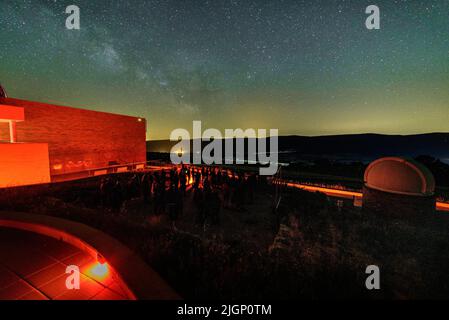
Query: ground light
pixel 98 271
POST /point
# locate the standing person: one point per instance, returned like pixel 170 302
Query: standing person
pixel 240 193
pixel 197 180
pixel 132 188
pixel 208 205
pixel 183 181
pixel 103 194
pixel 198 199
pixel 252 184
pixel 179 203
pixel 172 205
pixel 145 188
pixel 160 194
pixel 215 207
pixel 233 191
pixel 219 178
pixel 226 189
pixel 155 190
pixel 150 184
pixel 174 178
pixel 107 190
pixel 189 175
pixel 117 196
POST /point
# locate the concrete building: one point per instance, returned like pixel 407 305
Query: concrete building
pixel 42 142
pixel 399 187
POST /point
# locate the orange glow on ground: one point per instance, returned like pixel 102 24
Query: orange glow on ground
pixel 441 206
pixel 98 271
pixel 327 191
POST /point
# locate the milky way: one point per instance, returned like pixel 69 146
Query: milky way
pixel 305 67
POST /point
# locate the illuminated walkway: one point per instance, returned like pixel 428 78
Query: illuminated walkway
pixel 32 267
pixel 441 206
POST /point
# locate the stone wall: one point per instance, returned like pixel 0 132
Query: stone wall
pixel 397 205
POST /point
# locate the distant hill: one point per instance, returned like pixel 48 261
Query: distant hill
pixel 355 146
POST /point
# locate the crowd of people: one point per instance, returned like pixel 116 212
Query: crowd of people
pixel 212 188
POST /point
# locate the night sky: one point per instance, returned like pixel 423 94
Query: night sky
pixel 305 67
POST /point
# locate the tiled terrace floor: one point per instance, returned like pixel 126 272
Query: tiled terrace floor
pixel 32 267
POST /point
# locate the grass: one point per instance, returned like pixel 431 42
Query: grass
pixel 312 249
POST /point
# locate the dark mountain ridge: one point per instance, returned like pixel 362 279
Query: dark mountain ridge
pixel 352 145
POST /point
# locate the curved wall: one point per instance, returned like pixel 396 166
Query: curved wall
pixel 141 281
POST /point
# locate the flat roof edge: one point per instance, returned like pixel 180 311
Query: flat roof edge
pixel 24 103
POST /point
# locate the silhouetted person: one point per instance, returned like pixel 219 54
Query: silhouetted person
pixel 183 182
pixel 117 196
pixel 215 207
pixel 198 199
pixel 145 188
pixel 172 202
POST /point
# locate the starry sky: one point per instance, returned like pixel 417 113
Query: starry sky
pixel 304 67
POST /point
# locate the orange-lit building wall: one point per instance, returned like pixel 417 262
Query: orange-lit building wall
pixel 78 139
pixel 4 132
pixel 23 164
